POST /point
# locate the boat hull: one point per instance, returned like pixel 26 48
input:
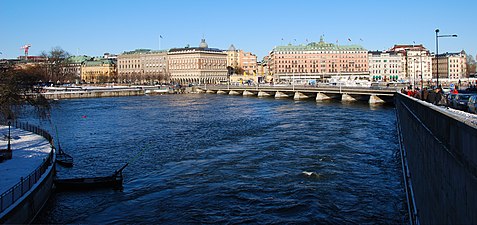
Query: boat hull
pixel 80 184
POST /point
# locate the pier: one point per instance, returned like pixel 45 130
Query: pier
pixel 319 93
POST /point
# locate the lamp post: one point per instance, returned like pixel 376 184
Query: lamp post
pixel 9 119
pixel 420 59
pixel 437 52
pixel 293 72
pixel 414 83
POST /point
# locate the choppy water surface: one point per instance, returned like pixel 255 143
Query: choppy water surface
pixel 224 159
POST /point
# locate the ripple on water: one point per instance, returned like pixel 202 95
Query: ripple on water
pixel 222 159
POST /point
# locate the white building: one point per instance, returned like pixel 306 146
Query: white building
pixel 386 66
pixel 451 65
pixel 416 61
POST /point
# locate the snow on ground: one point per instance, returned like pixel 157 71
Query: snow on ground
pixel 472 118
pixel 28 150
pixel 466 117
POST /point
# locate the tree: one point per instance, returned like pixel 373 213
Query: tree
pixel 471 65
pixel 17 89
pixel 56 65
pixel 239 70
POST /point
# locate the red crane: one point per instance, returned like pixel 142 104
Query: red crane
pixel 26 47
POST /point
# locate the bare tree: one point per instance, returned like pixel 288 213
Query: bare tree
pixel 56 64
pixel 17 89
pixel 471 65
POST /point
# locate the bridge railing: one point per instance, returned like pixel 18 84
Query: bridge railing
pixel 10 196
pixel 300 87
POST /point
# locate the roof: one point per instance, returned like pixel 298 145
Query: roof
pixel 319 46
pixel 195 49
pixel 101 62
pixel 383 52
pixel 144 51
pixel 78 59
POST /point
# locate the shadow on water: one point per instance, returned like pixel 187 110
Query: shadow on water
pixel 224 159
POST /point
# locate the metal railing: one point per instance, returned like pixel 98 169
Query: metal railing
pixel 10 196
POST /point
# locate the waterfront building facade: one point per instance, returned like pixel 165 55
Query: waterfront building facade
pixel 99 71
pixel 416 63
pixel 241 59
pixel 73 65
pixel 143 66
pixel 198 65
pixel 318 61
pixel 385 66
pixel 451 65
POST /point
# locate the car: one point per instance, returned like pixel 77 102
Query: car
pixel 472 104
pixel 460 101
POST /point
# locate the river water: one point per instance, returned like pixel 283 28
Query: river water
pixel 199 159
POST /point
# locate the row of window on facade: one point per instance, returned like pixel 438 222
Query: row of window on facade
pixel 321 52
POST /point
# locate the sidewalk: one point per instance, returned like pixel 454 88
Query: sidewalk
pixel 29 151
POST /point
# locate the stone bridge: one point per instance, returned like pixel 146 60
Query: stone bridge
pixel 319 93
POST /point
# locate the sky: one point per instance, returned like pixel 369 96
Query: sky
pixel 94 27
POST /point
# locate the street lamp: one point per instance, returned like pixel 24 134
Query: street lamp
pixel 437 51
pixel 414 83
pixel 9 119
pixel 293 72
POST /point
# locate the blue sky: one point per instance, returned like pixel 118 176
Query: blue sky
pixel 93 27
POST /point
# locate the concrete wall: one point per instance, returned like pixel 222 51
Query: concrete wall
pixel 32 202
pixel 92 94
pixel 441 152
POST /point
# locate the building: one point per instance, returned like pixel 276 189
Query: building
pixel 385 66
pixel 451 65
pixel 99 71
pixel 318 61
pixel 73 65
pixel 233 59
pixel 143 66
pixel 241 59
pixel 198 65
pixel 416 63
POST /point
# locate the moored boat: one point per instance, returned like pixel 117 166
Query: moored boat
pixel 64 159
pixel 114 181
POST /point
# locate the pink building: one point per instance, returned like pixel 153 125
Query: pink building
pixel 318 61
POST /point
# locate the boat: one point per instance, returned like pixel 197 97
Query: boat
pixel 64 159
pixel 114 181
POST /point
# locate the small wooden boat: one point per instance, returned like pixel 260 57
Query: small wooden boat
pixel 64 159
pixel 114 181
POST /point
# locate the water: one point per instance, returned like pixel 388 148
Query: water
pixel 228 159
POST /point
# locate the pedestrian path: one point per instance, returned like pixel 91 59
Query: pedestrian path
pixel 28 149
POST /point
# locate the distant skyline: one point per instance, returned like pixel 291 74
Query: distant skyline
pixel 95 27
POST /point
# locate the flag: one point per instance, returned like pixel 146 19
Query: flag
pixel 294 40
pixel 349 39
pixel 361 39
pixel 282 39
pixel 307 40
pixel 336 41
pixel 160 36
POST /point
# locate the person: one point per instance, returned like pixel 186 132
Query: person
pixel 454 91
pixel 432 96
pixel 425 94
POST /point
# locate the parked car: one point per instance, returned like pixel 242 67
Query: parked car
pixel 460 101
pixel 472 103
